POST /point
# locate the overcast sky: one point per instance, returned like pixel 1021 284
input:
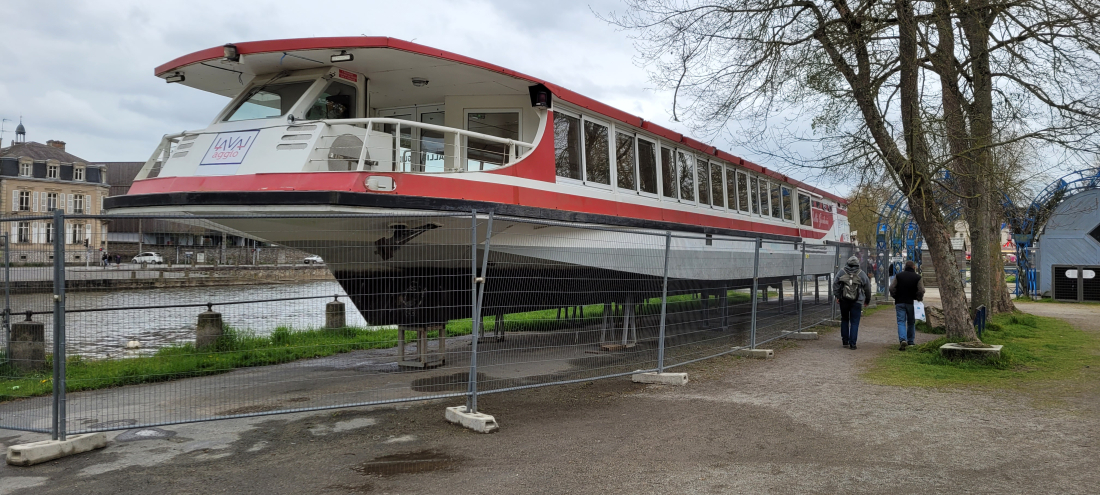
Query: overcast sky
pixel 82 72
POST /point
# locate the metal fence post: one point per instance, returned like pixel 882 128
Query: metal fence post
pixel 801 284
pixel 664 308
pixel 58 325
pixel 836 267
pixel 478 297
pixel 7 294
pixel 755 289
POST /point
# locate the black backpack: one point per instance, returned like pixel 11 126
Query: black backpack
pixel 850 285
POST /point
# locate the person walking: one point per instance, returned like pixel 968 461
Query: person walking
pixel 907 286
pixel 851 287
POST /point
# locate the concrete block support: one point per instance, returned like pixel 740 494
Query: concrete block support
pixel 209 328
pixel 335 317
pixel 660 378
pixel 961 351
pixel 30 454
pixel 28 344
pixel 756 353
pixel 801 335
pixel 481 423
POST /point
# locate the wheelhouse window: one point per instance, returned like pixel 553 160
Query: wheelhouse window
pixel 704 182
pixel 482 154
pixel 647 166
pixel 717 198
pixel 743 192
pixel 668 174
pixel 624 161
pixel 78 173
pixel 731 189
pixel 53 170
pixel 597 159
pixel 755 195
pixel 777 202
pixel 268 101
pixel 804 210
pixel 788 210
pixel 567 146
pixel 337 101
pixel 764 210
pixel 687 176
pixel 26 169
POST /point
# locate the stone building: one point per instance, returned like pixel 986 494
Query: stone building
pixel 35 180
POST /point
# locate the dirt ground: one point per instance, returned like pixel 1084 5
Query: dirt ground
pixel 804 422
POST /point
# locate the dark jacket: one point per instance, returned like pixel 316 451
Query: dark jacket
pixel 852 267
pixel 907 287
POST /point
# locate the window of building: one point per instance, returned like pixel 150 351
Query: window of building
pixel 731 188
pixel 743 192
pixel 777 200
pixel 703 175
pixel 26 169
pixel 49 233
pixel 24 201
pixel 755 191
pixel 647 166
pixel 78 203
pixel 78 173
pixel 597 156
pixel 804 210
pixel 788 208
pixel 77 236
pixel 482 154
pixel 717 198
pixel 24 233
pixel 668 174
pixel 686 172
pixel 51 201
pixel 624 161
pixel 567 146
pixel 53 170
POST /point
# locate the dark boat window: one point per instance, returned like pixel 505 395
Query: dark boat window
pixel 731 188
pixel 777 204
pixel 337 101
pixel 624 160
pixel 567 146
pixel 716 197
pixel 755 195
pixel 485 155
pixel 788 210
pixel 687 177
pixel 647 167
pixel 743 192
pixel 597 156
pixel 268 101
pixel 668 174
pixel 704 182
pixel 804 210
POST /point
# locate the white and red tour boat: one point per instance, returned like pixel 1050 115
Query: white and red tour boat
pixel 380 125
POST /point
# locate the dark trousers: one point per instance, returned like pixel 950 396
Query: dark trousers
pixel 850 312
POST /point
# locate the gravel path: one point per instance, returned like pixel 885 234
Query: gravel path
pixel 804 422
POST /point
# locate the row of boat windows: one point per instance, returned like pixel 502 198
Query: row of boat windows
pixel 583 152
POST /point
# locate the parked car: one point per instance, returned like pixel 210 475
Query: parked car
pixel 313 260
pixel 148 258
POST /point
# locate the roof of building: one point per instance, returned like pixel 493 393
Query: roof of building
pixel 39 151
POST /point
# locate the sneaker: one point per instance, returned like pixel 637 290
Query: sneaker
pixel 912 343
pixel 901 347
pixel 843 344
pixel 852 347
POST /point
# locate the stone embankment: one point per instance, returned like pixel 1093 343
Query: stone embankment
pixel 125 278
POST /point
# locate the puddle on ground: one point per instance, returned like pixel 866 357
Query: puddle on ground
pixel 456 382
pixel 410 462
pixel 248 410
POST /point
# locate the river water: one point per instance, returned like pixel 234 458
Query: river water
pixel 104 334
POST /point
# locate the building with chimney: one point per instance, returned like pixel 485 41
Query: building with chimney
pixel 35 180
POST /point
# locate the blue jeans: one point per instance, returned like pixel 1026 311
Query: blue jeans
pixel 849 321
pixel 907 325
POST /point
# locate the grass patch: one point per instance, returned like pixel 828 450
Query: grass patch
pixel 243 348
pixel 1035 349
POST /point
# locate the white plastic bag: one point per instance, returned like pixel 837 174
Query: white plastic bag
pixel 918 310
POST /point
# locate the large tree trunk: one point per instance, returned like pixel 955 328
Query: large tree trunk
pixel 957 322
pixel 1001 298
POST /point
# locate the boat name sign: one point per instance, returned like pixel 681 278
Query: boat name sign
pixel 229 148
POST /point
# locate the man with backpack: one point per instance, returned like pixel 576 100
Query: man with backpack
pixel 852 289
pixel 907 286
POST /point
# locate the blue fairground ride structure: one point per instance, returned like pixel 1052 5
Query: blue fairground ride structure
pixel 898 238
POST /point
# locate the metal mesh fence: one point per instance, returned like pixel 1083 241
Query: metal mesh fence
pixel 176 319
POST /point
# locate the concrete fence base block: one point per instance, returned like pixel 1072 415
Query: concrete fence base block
pixel 802 335
pixel 479 422
pixel 831 323
pixel 756 353
pixel 660 378
pixel 30 454
pixel 960 351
